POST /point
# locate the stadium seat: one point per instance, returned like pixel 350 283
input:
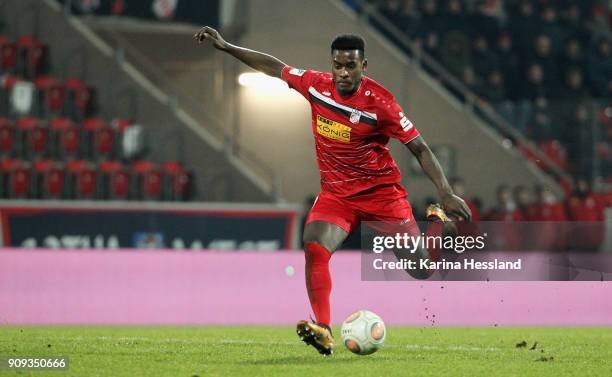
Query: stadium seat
pixel 147 179
pixel 16 179
pixel 6 86
pixel 23 99
pixel 99 139
pixel 177 182
pixel 7 138
pixel 81 180
pixel 33 137
pixel 8 55
pixel 80 99
pixel 115 180
pixel 65 138
pixel 48 177
pixel 130 139
pixel 32 56
pixel 50 95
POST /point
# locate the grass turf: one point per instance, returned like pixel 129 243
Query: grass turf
pixel 276 351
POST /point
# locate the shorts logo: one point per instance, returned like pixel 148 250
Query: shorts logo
pixel 355 116
pixel 333 130
pixel 297 72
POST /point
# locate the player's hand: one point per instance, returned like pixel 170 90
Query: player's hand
pixel 209 34
pixel 456 207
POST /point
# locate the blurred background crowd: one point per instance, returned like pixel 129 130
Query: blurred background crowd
pixel 543 65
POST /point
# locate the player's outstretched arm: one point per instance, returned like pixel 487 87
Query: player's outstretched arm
pixel 259 61
pixel 453 204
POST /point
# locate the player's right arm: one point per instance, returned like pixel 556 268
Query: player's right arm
pixel 259 61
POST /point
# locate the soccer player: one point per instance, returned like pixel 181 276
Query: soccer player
pixel 353 118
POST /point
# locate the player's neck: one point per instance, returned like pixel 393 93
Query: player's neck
pixel 352 92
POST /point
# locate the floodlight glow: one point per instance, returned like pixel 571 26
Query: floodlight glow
pixel 262 82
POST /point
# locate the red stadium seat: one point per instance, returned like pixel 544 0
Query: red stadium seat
pixel 54 101
pixel 49 179
pixel 104 143
pixel 16 177
pixel 8 56
pixel 33 137
pixel 80 99
pixel 50 96
pixel 82 179
pixel 65 136
pixel 32 56
pixel 7 137
pixel 116 180
pixel 147 180
pixel 177 182
pixel 99 139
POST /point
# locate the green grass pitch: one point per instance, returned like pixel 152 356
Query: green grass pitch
pixel 276 351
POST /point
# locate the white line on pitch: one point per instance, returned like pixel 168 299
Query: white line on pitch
pixel 296 343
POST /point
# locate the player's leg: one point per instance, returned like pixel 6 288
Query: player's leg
pixel 389 212
pixel 326 234
pixel 327 226
pixel 321 239
pixel 439 225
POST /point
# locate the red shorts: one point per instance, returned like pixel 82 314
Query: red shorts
pixel 385 204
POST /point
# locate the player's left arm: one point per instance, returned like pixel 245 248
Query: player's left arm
pixel 453 205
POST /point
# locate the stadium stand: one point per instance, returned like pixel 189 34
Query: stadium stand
pixel 545 66
pixel 54 146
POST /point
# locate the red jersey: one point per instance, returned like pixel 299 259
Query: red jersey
pixel 351 133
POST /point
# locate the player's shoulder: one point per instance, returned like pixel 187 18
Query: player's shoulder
pixel 321 77
pixel 378 92
pixel 378 96
pixel 305 80
pixel 307 72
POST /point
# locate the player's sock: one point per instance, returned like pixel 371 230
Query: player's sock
pixel 318 281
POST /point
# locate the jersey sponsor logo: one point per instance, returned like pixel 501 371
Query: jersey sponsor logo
pixel 333 130
pixel 355 116
pixel 405 122
pixel 297 72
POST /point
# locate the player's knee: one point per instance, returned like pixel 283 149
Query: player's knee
pixel 314 240
pixel 316 253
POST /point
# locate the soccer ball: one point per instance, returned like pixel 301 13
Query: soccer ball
pixel 363 332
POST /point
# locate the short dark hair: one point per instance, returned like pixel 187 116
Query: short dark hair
pixel 348 42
